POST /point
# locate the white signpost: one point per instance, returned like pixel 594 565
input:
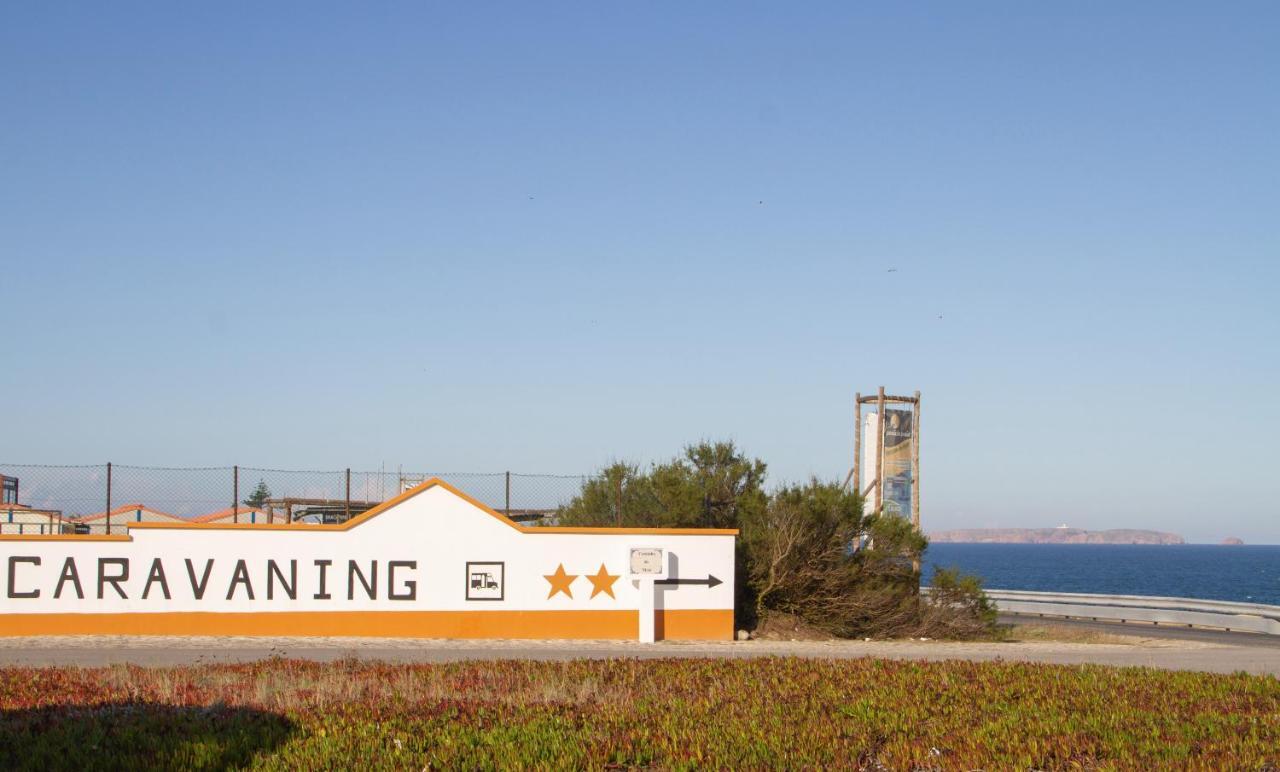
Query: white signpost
pixel 648 564
pixel 430 563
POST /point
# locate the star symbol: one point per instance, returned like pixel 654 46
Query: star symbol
pixel 603 582
pixel 560 582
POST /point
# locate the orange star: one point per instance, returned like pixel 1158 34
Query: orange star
pixel 560 582
pixel 602 582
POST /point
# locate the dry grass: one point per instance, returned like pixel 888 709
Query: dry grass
pixel 1048 631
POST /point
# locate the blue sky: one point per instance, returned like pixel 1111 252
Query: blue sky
pixel 540 237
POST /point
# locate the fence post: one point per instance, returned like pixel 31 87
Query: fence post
pixel 880 429
pixel 108 498
pixel 915 473
pixel 347 506
pixel 508 510
pixel 235 493
pixel 857 442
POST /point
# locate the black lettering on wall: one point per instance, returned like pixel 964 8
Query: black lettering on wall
pixel 69 574
pixel 370 584
pixel 290 587
pixel 198 589
pixel 238 577
pixel 156 576
pixel 323 565
pixel 114 581
pixel 411 586
pixel 14 560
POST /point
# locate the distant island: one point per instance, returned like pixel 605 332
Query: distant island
pixel 1059 535
pixel 1232 541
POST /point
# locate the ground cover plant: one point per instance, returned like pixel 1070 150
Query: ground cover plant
pixel 624 713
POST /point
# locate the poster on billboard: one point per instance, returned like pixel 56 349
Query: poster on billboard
pixel 897 462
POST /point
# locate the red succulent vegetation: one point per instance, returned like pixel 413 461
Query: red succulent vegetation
pixel 633 713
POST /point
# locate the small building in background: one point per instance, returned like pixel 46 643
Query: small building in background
pixel 124 515
pixel 20 519
pixel 8 489
pixel 243 515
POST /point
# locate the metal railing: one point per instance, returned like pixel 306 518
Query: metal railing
pixel 1183 612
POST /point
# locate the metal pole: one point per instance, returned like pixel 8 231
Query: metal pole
pixel 618 498
pixel 508 493
pixel 857 441
pixel 235 493
pixel 347 505
pixel 108 498
pixel 880 451
pixel 915 473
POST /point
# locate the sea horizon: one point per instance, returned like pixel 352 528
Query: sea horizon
pixel 1248 573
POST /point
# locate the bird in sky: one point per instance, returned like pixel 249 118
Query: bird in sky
pixel 893 270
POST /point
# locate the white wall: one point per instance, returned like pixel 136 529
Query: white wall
pixel 437 529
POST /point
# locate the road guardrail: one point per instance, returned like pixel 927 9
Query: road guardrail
pixel 1183 612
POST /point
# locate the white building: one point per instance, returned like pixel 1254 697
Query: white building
pixel 125 514
pixel 21 519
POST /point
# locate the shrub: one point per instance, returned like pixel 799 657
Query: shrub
pixel 957 607
pixel 805 550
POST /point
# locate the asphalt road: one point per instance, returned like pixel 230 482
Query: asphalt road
pixel 1171 654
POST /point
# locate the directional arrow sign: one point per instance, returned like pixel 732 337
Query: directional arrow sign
pixel 710 581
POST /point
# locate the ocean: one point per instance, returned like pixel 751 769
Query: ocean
pixel 1247 573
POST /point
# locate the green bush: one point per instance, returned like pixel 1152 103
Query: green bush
pixel 807 550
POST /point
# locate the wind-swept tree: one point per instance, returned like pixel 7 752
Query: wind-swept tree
pixel 259 496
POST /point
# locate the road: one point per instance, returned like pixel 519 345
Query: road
pixel 1171 654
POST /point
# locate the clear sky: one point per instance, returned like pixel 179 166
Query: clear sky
pixel 542 236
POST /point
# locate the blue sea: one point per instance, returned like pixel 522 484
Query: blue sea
pixel 1248 573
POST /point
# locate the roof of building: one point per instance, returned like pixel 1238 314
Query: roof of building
pixel 245 514
pixel 124 509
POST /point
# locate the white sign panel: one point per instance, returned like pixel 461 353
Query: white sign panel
pixel 647 561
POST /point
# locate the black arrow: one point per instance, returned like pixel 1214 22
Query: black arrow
pixel 710 581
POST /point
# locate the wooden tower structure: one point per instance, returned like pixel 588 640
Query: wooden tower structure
pixel 896 432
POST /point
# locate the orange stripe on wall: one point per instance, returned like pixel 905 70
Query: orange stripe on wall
pixel 673 624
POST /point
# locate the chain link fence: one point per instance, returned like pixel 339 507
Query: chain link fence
pixel 104 498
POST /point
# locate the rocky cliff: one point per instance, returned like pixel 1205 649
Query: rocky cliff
pixel 1055 536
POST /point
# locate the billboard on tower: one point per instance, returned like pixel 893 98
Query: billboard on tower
pixel 898 471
